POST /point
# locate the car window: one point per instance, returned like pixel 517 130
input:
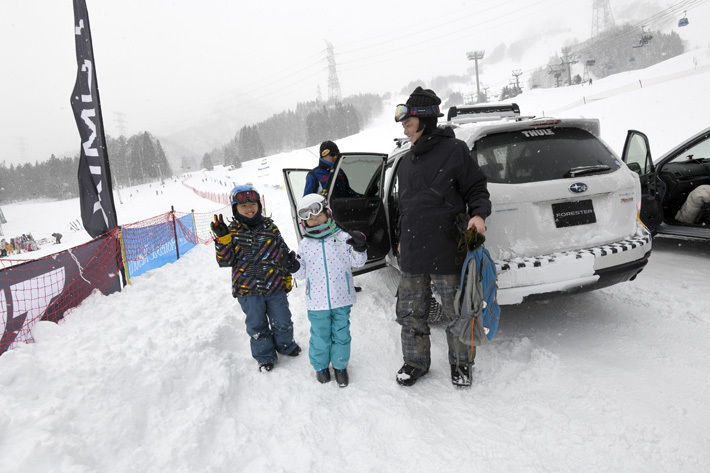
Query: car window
pixel 540 155
pixel 698 152
pixel 637 154
pixel 363 174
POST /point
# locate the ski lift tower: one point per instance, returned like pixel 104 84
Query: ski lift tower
pixel 602 18
pixel 476 56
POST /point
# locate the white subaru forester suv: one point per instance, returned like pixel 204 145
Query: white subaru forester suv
pixel 564 207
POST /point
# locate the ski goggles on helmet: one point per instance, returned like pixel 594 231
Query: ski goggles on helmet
pixel 245 196
pixel 311 211
pixel 403 111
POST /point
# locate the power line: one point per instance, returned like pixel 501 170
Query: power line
pixel 287 74
pixel 394 50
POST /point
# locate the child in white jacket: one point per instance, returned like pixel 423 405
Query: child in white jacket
pixel 327 255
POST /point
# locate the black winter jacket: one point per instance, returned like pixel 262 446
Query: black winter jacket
pixel 438 179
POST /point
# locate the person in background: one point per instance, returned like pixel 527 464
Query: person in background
pixel 57 238
pixel 439 181
pixel 326 256
pixel 317 179
pixel 253 247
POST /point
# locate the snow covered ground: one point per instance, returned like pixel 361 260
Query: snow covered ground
pixel 159 377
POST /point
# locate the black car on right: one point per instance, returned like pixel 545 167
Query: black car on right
pixel 667 182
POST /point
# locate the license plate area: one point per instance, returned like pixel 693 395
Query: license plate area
pixel 569 214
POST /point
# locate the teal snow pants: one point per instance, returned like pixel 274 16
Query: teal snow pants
pixel 330 338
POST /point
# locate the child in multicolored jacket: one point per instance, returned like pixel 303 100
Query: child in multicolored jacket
pixel 327 255
pixel 253 247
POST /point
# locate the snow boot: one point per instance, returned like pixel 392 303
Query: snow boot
pixel 295 352
pixel 341 377
pixel 323 376
pixel 408 375
pixel 461 375
pixel 264 367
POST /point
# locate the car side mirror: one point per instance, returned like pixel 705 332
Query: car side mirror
pixel 635 167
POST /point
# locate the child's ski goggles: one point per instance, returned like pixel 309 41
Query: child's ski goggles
pixel 402 111
pixel 244 197
pixel 312 210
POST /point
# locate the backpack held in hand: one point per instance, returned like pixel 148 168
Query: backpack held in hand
pixel 476 299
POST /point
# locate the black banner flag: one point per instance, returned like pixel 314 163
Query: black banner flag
pixel 98 212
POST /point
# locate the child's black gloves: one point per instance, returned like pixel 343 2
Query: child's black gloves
pixel 220 230
pixel 289 261
pixel 357 240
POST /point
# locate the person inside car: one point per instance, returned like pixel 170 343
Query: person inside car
pixel 438 181
pixel 694 203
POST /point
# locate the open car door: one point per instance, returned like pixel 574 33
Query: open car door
pixel 295 180
pixel 637 156
pixel 361 207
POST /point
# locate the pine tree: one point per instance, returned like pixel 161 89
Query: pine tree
pixel 162 160
pixel 151 170
pixel 207 162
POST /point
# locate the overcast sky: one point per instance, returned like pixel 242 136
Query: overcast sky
pixel 164 63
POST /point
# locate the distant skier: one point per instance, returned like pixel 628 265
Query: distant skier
pixel 57 238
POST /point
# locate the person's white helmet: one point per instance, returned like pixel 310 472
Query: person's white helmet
pixel 311 204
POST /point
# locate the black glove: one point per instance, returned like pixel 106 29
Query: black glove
pixel 220 230
pixel 289 260
pixel 357 240
pixel 469 239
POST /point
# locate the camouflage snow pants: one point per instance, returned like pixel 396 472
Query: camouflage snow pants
pixel 412 310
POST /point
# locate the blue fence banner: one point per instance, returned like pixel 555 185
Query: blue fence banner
pixel 161 249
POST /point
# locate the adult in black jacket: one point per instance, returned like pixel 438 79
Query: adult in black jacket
pixel 438 180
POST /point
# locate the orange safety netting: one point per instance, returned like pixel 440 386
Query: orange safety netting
pixel 219 197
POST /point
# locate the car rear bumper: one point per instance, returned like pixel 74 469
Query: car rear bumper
pixel 569 272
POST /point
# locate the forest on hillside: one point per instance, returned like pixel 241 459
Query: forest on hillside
pixel 617 49
pixel 135 160
pixel 309 124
